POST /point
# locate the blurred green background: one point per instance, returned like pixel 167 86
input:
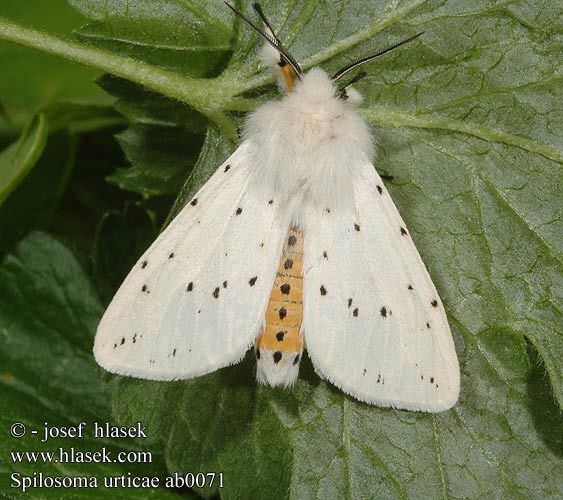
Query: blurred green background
pixel 30 78
pixel 80 130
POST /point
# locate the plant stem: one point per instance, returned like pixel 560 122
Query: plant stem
pixel 204 95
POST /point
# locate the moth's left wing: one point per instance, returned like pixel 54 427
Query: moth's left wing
pixel 373 322
pixel 195 301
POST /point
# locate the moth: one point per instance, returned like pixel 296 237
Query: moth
pixel 293 243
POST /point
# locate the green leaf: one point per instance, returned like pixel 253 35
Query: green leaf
pixel 468 123
pixel 48 312
pixel 161 143
pixel 196 46
pixel 161 159
pixel 20 157
pixel 142 106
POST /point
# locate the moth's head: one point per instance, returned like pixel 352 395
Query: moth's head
pixel 315 89
pixel 291 77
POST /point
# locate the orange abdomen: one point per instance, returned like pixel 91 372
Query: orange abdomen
pixel 279 346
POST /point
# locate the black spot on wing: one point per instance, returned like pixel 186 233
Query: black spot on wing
pixel 380 189
pixel 193 203
pixel 282 313
pixel 285 289
pixel 288 264
pixel 239 211
pixel 216 293
pixel 144 264
pixel 277 357
pixel 349 302
pixel 434 303
pixel 383 311
pixel 410 287
pixel 296 360
pixel 252 281
pixel 190 286
pixel 225 284
pixel 145 289
pixel 325 255
pixel 280 335
pixel 292 240
pixel 356 227
pixel 227 168
pixel 403 231
pixel 270 202
pixel 171 256
pixel 323 290
pixel 355 312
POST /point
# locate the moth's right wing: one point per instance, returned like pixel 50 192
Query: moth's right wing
pixel 195 301
pixel 373 322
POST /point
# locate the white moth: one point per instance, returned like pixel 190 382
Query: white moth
pixel 294 240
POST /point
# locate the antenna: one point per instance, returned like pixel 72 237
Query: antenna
pixel 274 42
pixel 346 69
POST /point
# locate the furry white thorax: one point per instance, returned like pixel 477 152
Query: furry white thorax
pixel 304 146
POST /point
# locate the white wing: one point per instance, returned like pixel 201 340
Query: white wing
pixel 373 322
pixel 195 300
